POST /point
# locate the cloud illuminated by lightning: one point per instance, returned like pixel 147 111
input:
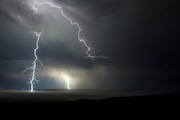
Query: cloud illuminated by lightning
pixel 34 66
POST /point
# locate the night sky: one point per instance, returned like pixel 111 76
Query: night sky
pixel 140 37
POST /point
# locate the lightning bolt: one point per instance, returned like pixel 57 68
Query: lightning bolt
pixel 36 59
pixel 67 79
pixel 34 66
pixel 89 55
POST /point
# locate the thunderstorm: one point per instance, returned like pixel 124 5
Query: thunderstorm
pixel 34 64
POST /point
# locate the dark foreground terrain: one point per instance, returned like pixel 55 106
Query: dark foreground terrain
pixel 87 104
pixel 87 98
pixel 79 96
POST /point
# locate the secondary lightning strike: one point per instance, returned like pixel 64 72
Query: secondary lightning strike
pixel 67 79
pixel 89 55
pixel 34 64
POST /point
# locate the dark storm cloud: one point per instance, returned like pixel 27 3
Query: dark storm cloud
pixel 133 33
pixel 100 7
pixel 140 37
pixel 138 33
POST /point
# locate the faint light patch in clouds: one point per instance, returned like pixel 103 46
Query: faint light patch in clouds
pixel 19 13
pixel 81 78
